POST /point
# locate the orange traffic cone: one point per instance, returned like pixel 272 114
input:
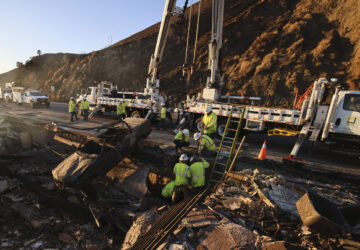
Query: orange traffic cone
pixel 262 154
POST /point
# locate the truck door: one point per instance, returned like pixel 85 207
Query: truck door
pixel 347 116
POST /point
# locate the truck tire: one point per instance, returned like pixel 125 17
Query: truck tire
pixel 48 105
pixel 220 129
pixel 198 124
pixel 136 114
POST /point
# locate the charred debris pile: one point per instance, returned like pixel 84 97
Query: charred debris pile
pixel 103 193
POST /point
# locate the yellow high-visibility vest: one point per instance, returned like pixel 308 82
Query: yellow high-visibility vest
pixel 181 171
pixel 120 109
pixel 163 113
pixel 72 106
pixel 197 171
pixel 210 121
pixel 168 189
pixel 207 143
pixel 84 104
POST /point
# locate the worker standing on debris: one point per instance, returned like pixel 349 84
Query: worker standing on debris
pixel 206 145
pixel 72 109
pixel 209 122
pixel 162 122
pixel 168 190
pixel 182 139
pixel 120 110
pixel 181 173
pixel 84 106
pixel 198 174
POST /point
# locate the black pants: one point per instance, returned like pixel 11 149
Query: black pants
pixel 208 153
pixel 121 117
pixel 180 144
pixel 181 192
pixel 197 190
pixel 162 124
pixel 72 115
pixel 85 114
pixel 212 135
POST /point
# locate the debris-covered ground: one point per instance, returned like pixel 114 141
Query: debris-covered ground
pixel 257 207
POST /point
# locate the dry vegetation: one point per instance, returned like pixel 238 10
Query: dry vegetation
pixel 270 47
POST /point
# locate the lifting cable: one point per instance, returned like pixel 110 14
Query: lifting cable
pixel 197 33
pixel 188 35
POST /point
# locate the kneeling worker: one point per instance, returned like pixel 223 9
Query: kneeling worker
pixel 198 175
pixel 207 145
pixel 181 139
pixel 168 190
pixel 181 173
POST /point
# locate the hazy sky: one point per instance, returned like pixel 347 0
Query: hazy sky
pixel 69 26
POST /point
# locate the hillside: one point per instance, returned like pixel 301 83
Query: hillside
pixel 270 47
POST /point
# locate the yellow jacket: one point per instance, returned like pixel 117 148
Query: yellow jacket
pixel 207 143
pixel 210 123
pixel 72 106
pixel 120 109
pixel 84 104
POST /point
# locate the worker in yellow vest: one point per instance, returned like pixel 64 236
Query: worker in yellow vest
pixel 72 109
pixel 162 121
pixel 121 111
pixel 181 139
pixel 84 106
pixel 206 145
pixel 198 174
pixel 181 176
pixel 168 190
pixel 210 122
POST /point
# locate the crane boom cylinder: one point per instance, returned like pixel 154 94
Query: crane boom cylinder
pixel 214 81
pixel 152 81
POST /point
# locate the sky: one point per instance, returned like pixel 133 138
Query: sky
pixel 70 26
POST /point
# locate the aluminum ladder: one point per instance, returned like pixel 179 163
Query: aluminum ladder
pixel 226 156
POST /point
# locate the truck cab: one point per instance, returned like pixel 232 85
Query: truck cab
pixel 35 98
pixel 6 94
pixel 346 118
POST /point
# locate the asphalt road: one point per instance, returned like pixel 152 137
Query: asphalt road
pixel 278 147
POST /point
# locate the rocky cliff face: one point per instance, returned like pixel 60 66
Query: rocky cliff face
pixel 270 48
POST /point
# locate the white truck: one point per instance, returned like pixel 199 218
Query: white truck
pixel 148 102
pixel 32 97
pixel 337 124
pixel 6 94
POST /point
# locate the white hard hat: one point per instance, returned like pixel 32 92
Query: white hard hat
pixel 197 136
pixel 162 104
pixel 186 132
pixel 208 109
pixel 84 98
pixel 71 98
pixel 184 157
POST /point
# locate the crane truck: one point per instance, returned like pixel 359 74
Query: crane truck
pixel 337 124
pixel 105 97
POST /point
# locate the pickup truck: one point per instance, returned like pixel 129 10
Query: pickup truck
pixel 33 97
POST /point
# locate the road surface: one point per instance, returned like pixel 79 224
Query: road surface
pixel 278 147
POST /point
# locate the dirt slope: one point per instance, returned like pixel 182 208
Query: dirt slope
pixel 270 47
